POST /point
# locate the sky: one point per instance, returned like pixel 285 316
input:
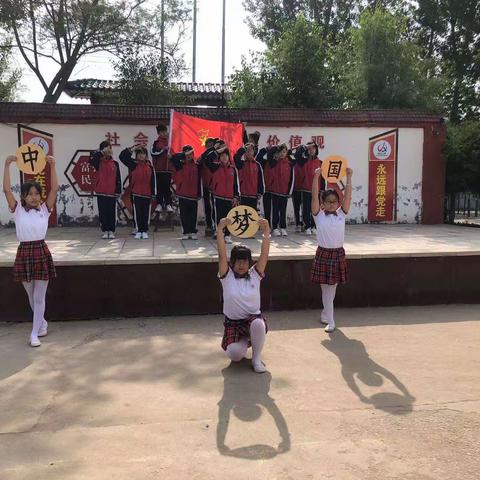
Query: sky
pixel 238 42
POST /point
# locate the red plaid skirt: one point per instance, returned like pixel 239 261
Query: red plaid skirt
pixel 329 266
pixel 33 262
pixel 236 329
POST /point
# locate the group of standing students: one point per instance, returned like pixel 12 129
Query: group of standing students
pixel 254 172
pixel 273 174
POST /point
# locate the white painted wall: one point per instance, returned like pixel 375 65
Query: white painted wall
pixel 350 142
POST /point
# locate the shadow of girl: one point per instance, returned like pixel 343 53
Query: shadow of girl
pixel 357 364
pixel 245 393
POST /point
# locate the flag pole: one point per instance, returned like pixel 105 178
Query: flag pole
pixel 194 54
pixel 223 44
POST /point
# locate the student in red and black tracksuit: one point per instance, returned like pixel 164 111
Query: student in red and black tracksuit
pixel 143 184
pixel 189 189
pixel 267 179
pixel 297 196
pixel 225 187
pixel 250 175
pixel 162 169
pixel 206 180
pixel 283 178
pixel 108 187
pixel 307 159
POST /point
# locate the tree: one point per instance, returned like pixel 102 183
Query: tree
pixel 292 72
pixel 64 31
pixel 450 31
pixel 380 67
pixel 9 78
pixel 269 18
pixel 144 79
pixel 462 150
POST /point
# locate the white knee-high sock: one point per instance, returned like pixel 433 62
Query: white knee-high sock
pixel 236 351
pixel 257 338
pixel 328 295
pixel 29 289
pixel 39 292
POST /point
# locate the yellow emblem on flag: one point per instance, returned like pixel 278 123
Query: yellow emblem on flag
pixel 203 135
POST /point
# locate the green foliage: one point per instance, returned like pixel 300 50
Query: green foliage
pixel 9 77
pixel 449 30
pixel 382 68
pixel 293 72
pixel 142 79
pixel 462 150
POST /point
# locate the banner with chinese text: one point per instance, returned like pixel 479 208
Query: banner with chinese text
pixel 188 130
pixel 45 141
pixel 382 176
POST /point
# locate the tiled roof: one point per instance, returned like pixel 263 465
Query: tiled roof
pixel 84 88
pixel 148 114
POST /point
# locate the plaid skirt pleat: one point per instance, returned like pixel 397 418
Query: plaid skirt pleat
pixel 234 330
pixel 329 266
pixel 33 262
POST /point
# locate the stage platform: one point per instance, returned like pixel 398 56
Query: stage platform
pixel 164 275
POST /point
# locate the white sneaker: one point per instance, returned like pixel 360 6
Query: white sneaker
pixel 158 208
pixel 104 235
pixel 186 237
pixel 193 236
pixel 298 229
pixel 284 232
pixel 34 342
pixel 330 327
pixel 169 208
pixel 276 232
pixel 111 235
pixel 43 329
pixel 228 239
pixel 138 236
pixel 259 367
pixel 145 235
pixel 308 231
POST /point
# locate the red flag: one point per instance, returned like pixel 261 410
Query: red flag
pixel 194 131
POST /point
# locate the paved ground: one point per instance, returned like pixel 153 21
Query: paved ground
pixel 82 245
pixel 394 394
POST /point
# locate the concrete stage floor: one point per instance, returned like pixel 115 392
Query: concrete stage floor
pixel 392 395
pixel 82 245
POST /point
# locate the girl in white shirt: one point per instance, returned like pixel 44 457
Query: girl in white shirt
pixel 33 264
pixel 329 266
pixel 244 323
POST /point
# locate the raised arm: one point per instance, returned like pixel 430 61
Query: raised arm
pixel 221 247
pixel 126 158
pixel 52 194
pixel 262 261
pixel 315 200
pixel 178 160
pixel 95 158
pixel 7 184
pixel 347 198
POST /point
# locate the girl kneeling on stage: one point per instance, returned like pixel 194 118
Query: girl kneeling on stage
pixel 33 264
pixel 144 186
pixel 329 266
pixel 244 323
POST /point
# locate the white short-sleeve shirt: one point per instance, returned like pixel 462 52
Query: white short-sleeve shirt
pixel 330 229
pixel 31 225
pixel 241 296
